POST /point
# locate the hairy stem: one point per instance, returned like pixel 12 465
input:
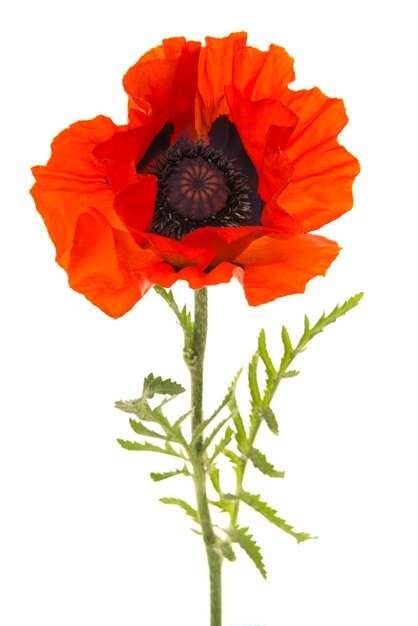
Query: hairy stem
pixel 194 359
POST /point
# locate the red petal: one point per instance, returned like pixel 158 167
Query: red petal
pixel 73 181
pixel 215 71
pixel 225 243
pixel 165 275
pixel 177 253
pixel 262 75
pixel 135 204
pixel 264 127
pixel 164 82
pixel 274 268
pixel 105 265
pixel 323 171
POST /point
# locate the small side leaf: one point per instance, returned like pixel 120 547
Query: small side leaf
pixel 187 508
pixel 147 447
pixel 259 461
pixel 242 537
pixel 263 352
pixel 253 382
pixel 154 385
pixel 270 420
pixel 270 514
pixel 218 427
pixel 220 447
pixel 157 477
pixel 140 429
pixel 227 551
pixel 138 407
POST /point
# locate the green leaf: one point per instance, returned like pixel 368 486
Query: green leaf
pixel 270 420
pixel 240 434
pixel 290 374
pixel 199 430
pixel 138 407
pixel 179 421
pixel 156 385
pixel 229 397
pixel 157 477
pixel 218 427
pixel 227 551
pixel 286 341
pixel 259 461
pixel 140 429
pixel 263 352
pixel 253 381
pixel 187 508
pixel 214 475
pixel 221 445
pixel 247 543
pixel 325 320
pixel 183 316
pixel 270 514
pixel 147 447
pixel 234 458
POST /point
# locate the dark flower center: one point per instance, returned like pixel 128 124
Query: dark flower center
pixel 198 186
pixel 197 189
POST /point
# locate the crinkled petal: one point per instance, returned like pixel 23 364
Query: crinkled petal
pixel 215 71
pixel 164 82
pixel 105 265
pixel 73 181
pixel 165 275
pixel 261 75
pixel 225 243
pixel 274 268
pixel 177 253
pixel 323 171
pixel 264 127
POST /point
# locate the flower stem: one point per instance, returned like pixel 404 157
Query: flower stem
pixel 194 360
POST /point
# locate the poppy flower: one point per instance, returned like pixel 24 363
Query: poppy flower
pixel 221 171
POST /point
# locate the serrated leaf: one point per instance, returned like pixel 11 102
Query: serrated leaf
pixel 138 407
pixel 263 352
pixel 156 385
pixel 253 381
pixel 227 551
pixel 269 513
pixel 157 477
pixel 187 508
pixel 199 430
pixel 183 316
pixel 234 458
pixel 230 395
pixel 325 320
pixel 240 433
pixel 242 537
pixel 221 445
pixel 270 420
pixel 290 374
pixel 218 427
pixel 140 429
pixel 180 420
pixel 226 507
pixel 147 447
pixel 286 341
pixel 259 461
pixel 214 476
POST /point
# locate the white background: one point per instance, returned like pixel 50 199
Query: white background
pixel 84 540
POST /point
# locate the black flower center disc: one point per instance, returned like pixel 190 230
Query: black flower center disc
pixel 198 186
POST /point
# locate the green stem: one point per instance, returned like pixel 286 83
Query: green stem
pixel 194 360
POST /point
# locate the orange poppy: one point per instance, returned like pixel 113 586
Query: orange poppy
pixel 221 171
